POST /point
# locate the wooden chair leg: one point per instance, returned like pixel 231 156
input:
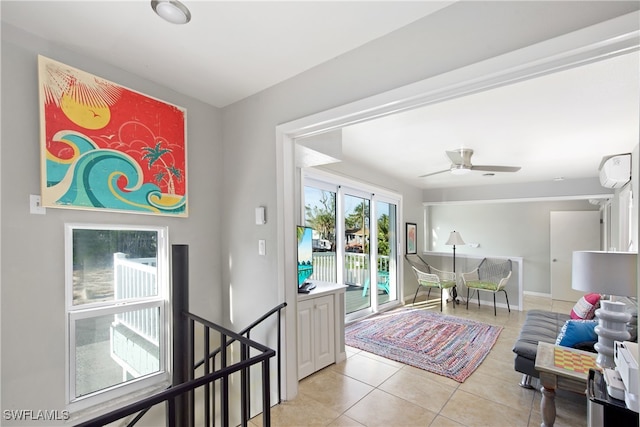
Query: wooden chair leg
pixel 478 292
pixel 467 298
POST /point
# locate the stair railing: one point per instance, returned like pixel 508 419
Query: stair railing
pixel 179 398
pixel 246 374
pixel 169 395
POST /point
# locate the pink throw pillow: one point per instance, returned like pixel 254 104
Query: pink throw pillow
pixel 586 307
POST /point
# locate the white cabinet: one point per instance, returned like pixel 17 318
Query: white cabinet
pixel 316 344
pixel 320 330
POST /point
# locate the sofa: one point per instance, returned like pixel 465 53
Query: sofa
pixel 539 325
pixel 575 329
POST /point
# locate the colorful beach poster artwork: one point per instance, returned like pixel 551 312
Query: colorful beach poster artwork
pixel 106 147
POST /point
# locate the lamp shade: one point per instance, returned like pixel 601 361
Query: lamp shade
pixel 455 239
pixel 613 273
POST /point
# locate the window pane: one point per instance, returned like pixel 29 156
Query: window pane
pixel 97 277
pixel 114 349
pixel 387 243
pixel 356 256
pixel 320 215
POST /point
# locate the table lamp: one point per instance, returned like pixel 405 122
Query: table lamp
pixel 454 239
pixel 611 273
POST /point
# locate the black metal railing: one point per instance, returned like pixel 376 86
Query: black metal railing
pixel 172 395
pixel 217 371
pixel 246 332
pixel 210 364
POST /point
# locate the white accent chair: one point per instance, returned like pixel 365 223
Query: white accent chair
pixel 491 275
pixel 431 277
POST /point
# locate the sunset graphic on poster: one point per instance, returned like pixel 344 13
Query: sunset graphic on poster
pixel 107 147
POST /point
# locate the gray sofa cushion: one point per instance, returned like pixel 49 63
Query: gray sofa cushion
pixel 539 325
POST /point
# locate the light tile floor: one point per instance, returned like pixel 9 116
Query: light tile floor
pixel 368 390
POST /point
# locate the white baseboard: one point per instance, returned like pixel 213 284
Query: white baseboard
pixel 536 294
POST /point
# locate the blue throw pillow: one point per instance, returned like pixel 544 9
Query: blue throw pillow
pixel 576 332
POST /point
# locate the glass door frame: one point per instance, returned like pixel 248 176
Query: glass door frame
pixel 343 192
pixel 396 252
pixel 342 185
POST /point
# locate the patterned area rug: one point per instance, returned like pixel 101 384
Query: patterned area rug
pixel 445 345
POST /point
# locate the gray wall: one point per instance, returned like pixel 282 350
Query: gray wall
pixel 32 274
pixel 518 229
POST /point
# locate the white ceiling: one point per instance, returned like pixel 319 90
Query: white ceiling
pixel 230 49
pixel 557 125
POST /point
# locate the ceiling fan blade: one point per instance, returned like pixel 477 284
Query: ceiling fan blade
pixel 434 173
pixel 487 168
pixel 456 157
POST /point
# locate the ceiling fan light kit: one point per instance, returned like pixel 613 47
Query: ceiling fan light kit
pixel 460 170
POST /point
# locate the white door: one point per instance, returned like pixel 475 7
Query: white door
pixel 570 231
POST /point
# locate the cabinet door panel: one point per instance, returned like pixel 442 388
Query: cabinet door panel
pixel 306 359
pixel 324 332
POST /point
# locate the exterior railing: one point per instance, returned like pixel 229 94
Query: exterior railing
pixel 356 267
pixel 137 278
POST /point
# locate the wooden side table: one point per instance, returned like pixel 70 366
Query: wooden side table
pixel 561 368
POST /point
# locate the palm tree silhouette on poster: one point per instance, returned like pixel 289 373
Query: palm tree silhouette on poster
pixel 155 154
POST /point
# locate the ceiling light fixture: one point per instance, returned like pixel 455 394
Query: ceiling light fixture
pixel 460 169
pixel 171 11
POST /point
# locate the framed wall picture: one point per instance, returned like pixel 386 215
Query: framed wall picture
pixel 106 147
pixel 411 237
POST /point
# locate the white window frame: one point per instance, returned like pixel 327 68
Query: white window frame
pixel 123 391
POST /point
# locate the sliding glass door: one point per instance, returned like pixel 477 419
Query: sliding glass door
pixel 355 242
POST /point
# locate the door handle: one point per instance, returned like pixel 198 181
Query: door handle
pixel 554 260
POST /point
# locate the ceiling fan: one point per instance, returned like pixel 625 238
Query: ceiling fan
pixel 461 164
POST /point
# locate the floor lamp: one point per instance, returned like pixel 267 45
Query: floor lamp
pixel 454 239
pixel 611 273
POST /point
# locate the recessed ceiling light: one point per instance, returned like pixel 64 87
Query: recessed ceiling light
pixel 171 11
pixel 559 178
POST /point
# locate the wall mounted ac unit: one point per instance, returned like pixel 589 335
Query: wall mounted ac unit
pixel 615 171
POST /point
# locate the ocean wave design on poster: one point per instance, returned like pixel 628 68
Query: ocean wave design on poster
pixel 89 178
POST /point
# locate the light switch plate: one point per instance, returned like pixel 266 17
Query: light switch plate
pixel 260 216
pixel 35 205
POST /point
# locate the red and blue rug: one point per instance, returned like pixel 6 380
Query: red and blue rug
pixel 445 345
